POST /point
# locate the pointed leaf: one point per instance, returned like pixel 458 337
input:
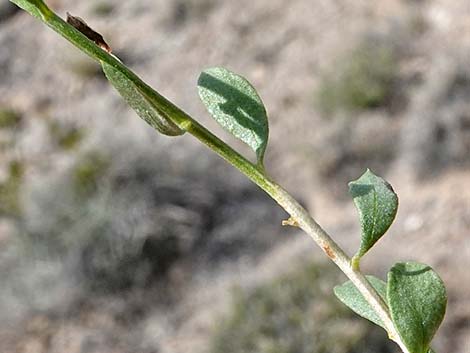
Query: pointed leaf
pixel 236 106
pixel 417 300
pixel 377 205
pixel 138 101
pixel 353 299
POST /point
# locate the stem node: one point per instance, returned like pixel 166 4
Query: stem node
pixel 290 222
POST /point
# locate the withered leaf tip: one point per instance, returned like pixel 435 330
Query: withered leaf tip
pixel 86 30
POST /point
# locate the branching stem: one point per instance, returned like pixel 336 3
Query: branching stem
pixel 297 213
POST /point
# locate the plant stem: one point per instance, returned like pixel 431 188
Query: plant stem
pixel 298 214
pixel 305 221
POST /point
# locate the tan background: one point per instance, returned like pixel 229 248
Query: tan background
pixel 418 137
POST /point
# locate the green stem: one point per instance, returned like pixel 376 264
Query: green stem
pixel 253 172
pixel 305 221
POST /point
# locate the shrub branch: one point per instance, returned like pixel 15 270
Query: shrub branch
pixel 185 122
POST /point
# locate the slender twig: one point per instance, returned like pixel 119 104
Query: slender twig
pixel 298 214
pixel 305 221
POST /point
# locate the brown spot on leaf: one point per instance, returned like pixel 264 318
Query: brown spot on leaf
pixel 86 30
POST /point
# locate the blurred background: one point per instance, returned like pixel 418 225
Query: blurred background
pixel 116 239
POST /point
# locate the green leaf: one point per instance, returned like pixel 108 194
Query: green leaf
pixel 37 8
pixel 236 106
pixel 140 102
pixel 417 300
pixel 353 299
pixel 377 205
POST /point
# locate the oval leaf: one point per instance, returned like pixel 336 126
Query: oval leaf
pixel 417 300
pixel 236 106
pixel 354 300
pixel 139 102
pixel 377 205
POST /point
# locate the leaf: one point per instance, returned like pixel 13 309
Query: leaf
pixel 140 102
pixel 32 6
pixel 236 106
pixel 417 300
pixel 377 205
pixel 88 32
pixel 354 300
